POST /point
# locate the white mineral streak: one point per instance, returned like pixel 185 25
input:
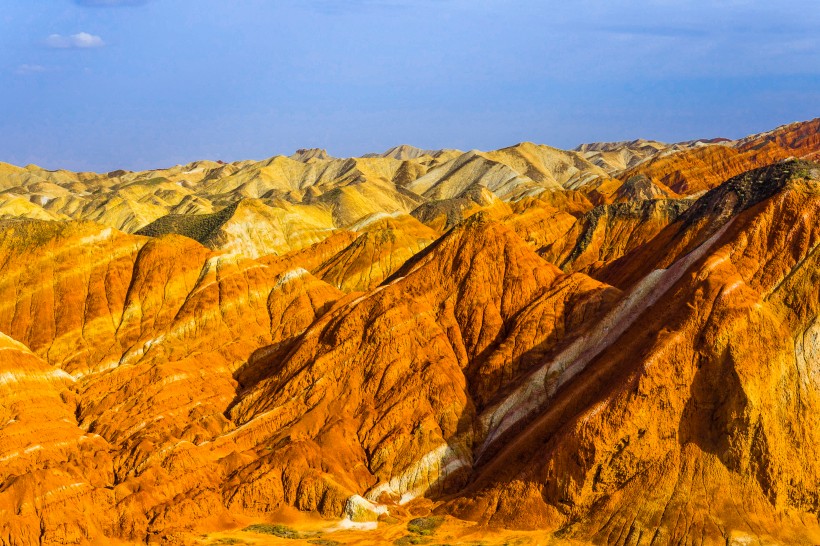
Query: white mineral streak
pixel 533 394
pixel 430 470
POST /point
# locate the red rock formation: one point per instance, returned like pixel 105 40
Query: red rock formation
pixel 393 382
pixel 715 424
pixel 385 243
pixel 54 474
pixel 702 168
pixel 613 363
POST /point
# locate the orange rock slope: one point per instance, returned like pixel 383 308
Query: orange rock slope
pixel 618 345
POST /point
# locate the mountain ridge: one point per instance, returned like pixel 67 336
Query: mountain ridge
pixel 614 345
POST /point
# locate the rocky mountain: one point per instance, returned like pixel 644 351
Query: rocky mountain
pixel 614 345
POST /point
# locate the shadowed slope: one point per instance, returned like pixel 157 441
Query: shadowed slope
pixel 394 380
pixel 699 429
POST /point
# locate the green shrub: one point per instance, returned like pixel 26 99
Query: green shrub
pixel 274 529
pixel 425 526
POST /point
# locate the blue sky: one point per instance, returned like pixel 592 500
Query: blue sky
pixel 105 84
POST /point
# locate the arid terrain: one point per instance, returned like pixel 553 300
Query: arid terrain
pixel 616 345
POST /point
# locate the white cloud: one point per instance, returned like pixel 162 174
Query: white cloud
pixel 26 69
pixel 81 40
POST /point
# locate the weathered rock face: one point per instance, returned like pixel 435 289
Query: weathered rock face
pixel 716 423
pixel 532 340
pixel 385 243
pixel 608 232
pixel 148 335
pixel 393 379
pixel 703 167
pixel 703 219
pixel 52 471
